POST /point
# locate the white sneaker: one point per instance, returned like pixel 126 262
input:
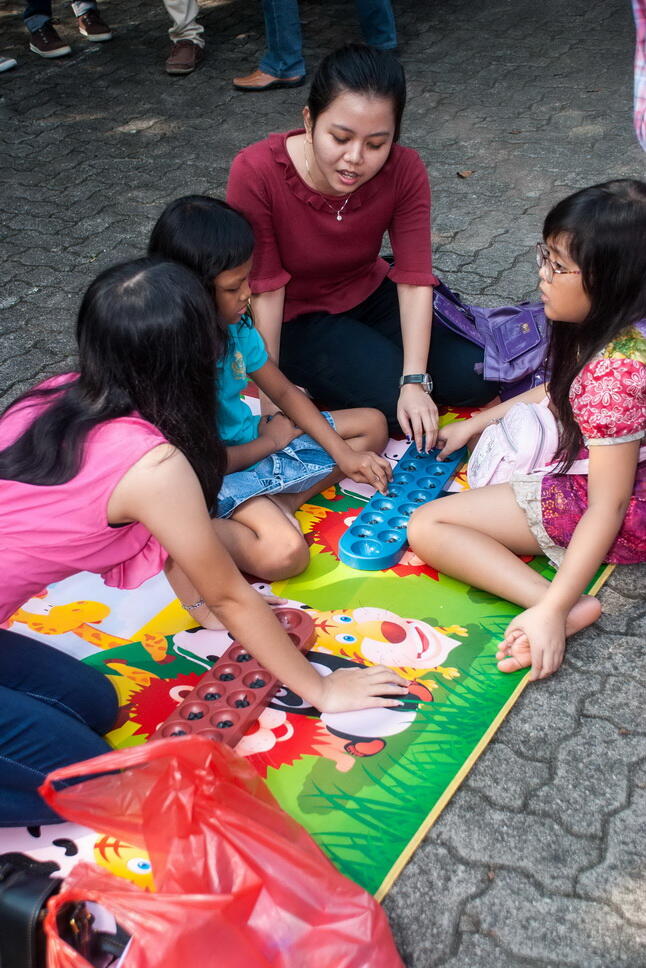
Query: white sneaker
pixel 6 63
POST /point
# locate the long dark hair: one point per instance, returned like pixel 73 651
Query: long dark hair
pixel 361 70
pixel 604 231
pixel 205 234
pixel 148 343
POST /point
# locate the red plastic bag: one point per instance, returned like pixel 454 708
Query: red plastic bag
pixel 238 882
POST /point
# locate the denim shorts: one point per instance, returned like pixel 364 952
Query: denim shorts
pixel 289 471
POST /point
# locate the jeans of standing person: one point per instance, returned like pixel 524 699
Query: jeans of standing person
pixel 54 711
pixel 355 359
pixel 38 12
pixel 283 56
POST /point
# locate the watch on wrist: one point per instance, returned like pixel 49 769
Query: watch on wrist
pixel 423 379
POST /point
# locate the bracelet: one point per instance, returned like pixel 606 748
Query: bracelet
pixel 189 608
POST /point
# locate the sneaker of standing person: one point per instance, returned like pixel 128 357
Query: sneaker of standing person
pixel 92 26
pixel 184 57
pixel 6 63
pixel 46 42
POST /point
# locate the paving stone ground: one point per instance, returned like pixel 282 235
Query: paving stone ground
pixel 539 859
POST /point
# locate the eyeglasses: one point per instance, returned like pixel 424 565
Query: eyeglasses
pixel 543 259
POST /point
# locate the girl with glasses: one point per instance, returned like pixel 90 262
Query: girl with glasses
pixel 593 285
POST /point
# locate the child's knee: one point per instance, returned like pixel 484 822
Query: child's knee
pixel 376 429
pixel 288 555
pixel 420 524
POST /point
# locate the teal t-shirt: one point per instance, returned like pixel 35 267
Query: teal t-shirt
pixel 245 354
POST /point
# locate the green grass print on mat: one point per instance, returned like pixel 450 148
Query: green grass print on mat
pixel 369 819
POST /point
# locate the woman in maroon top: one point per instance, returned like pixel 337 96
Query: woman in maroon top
pixel 342 322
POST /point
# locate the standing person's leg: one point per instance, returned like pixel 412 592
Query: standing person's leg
pixel 90 22
pixel 53 711
pixel 187 42
pixel 377 22
pixel 43 37
pixel 282 64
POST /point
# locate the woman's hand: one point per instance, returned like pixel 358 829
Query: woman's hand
pixel 453 436
pixel 536 637
pixel 417 415
pixel 364 467
pixel 279 429
pixel 348 689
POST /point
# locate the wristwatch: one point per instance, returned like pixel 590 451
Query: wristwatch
pixel 423 379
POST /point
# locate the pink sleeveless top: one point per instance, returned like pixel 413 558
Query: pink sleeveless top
pixel 50 532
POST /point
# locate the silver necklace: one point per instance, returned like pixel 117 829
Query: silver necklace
pixel 336 211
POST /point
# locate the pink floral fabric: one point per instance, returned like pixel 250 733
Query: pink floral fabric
pixel 608 399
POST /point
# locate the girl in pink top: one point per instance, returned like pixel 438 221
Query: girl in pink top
pixel 337 318
pixel 113 470
pixel 593 284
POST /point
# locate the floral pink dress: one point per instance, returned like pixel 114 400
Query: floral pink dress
pixel 608 399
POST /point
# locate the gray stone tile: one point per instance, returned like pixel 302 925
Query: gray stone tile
pixel 591 779
pixel 527 924
pixel 620 879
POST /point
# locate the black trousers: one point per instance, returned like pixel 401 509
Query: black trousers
pixel 355 358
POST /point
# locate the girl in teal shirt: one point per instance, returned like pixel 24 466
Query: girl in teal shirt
pixel 277 462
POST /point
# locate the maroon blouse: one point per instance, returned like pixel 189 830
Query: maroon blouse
pixel 326 264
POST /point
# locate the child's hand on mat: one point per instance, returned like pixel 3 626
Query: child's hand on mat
pixel 453 436
pixel 536 637
pixel 364 467
pixel 348 689
pixel 417 415
pixel 280 430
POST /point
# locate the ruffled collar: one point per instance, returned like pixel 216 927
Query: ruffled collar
pixel 278 146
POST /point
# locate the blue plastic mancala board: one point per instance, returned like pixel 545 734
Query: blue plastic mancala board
pixel 377 538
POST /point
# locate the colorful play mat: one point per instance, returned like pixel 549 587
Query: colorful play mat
pixel 367 785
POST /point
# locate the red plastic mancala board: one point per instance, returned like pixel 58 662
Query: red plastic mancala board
pixel 230 696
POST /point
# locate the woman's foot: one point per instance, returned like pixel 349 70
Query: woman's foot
pixel 514 652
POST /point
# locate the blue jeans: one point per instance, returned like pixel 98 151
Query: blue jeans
pixel 53 712
pixel 284 56
pixel 38 12
pixel 292 470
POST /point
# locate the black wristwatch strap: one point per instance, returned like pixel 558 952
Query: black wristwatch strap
pixel 422 378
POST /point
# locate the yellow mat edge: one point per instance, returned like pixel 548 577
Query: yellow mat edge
pixel 407 853
pixel 485 739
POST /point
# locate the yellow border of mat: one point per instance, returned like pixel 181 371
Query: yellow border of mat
pixel 412 846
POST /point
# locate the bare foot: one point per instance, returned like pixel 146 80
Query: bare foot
pixel 586 611
pixel 284 504
pixel 514 652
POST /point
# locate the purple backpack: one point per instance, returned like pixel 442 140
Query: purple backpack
pixel 514 338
